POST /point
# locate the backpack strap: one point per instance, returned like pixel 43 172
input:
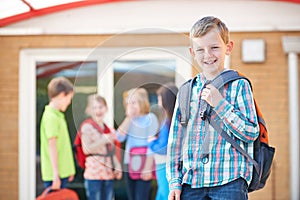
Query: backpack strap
pixel 184 93
pixel 220 81
pixel 234 144
pixel 226 77
pixel 184 96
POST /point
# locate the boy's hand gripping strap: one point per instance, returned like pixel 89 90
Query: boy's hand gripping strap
pixel 185 90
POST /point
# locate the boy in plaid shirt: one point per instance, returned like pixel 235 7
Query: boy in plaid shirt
pixel 225 173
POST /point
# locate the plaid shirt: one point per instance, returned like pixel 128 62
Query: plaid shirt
pixel 237 116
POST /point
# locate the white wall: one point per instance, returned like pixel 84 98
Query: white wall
pixel 176 15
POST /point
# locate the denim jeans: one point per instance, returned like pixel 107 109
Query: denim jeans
pixel 99 189
pixel 137 189
pixel 235 190
pixel 64 182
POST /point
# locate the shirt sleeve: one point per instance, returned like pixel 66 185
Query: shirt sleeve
pixel 174 152
pixel 51 127
pixel 239 116
pixel 159 145
pixel 120 137
pixel 153 128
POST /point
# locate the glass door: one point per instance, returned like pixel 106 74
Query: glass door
pixel 106 71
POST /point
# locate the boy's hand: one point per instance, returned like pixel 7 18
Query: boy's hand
pixel 174 194
pixel 71 178
pixel 56 183
pixel 211 95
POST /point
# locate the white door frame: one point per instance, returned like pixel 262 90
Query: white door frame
pixel 104 58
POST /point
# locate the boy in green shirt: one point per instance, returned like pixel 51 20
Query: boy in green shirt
pixel 57 163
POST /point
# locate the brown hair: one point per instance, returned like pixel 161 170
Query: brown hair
pixel 90 100
pixel 204 25
pixel 142 98
pixel 58 85
pixel 168 94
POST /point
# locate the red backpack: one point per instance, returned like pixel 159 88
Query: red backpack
pixel 79 154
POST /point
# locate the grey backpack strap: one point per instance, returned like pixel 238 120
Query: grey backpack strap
pixel 234 143
pixel 226 77
pixel 184 97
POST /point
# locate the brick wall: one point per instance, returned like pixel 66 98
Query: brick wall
pixel 269 79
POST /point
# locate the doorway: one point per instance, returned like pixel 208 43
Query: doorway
pixel 104 60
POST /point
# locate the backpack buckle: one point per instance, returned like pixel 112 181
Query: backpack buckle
pixel 203 115
pixel 204 158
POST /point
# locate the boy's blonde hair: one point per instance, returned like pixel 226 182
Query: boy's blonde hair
pixel 90 101
pixel 142 97
pixel 204 25
pixel 58 85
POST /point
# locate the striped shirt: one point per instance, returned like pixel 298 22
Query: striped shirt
pixel 237 116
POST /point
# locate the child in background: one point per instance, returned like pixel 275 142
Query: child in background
pixel 57 163
pixel 101 165
pixel 138 125
pixel 166 96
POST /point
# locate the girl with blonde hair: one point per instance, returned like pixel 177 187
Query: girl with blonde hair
pixel 138 125
pixel 101 165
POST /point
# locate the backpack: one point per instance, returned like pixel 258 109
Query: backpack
pixel 60 194
pixel 137 161
pixel 77 146
pixel 78 152
pixel 263 153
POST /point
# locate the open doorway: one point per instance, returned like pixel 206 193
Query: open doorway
pixel 102 60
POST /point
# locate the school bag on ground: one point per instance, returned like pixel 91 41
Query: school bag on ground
pixel 263 153
pixel 61 194
pixel 80 157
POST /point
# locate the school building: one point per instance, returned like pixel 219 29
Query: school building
pixel 108 46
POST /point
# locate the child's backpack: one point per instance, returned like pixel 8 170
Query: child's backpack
pixel 61 194
pixel 79 154
pixel 263 153
pixel 137 161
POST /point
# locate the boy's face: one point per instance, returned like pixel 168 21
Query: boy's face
pixel 65 100
pixel 209 52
